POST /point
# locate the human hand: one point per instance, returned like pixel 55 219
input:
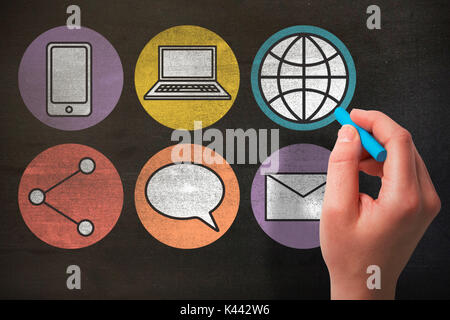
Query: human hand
pixel 357 231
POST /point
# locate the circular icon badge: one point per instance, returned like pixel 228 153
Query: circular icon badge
pixel 300 75
pixel 70 196
pixel 185 201
pixel 70 79
pixel 186 74
pixel 287 194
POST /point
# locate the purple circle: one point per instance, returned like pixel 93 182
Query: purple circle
pixel 296 158
pixel 107 77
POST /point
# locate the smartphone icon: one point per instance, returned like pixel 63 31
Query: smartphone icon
pixel 69 79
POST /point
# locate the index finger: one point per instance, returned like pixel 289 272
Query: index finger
pixel 399 169
pixel 382 127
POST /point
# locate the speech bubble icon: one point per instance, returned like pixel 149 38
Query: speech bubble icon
pixel 185 191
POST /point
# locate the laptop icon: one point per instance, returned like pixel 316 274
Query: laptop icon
pixel 187 73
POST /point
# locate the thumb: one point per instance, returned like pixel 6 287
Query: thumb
pixel 342 188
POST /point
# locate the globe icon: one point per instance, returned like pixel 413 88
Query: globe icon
pixel 302 77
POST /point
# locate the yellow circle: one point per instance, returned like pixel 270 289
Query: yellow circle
pixel 181 114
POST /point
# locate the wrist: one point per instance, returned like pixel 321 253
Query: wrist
pixel 355 287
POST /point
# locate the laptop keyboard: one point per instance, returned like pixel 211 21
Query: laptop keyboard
pixel 187 88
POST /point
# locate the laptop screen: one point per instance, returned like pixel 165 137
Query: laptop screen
pixel 186 63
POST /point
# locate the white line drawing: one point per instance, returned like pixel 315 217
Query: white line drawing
pixel 187 73
pixel 69 79
pixel 294 196
pixel 37 197
pixel 303 78
pixel 186 190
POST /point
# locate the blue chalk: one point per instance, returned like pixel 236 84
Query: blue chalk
pixel 369 143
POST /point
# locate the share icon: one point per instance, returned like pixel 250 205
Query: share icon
pixel 37 197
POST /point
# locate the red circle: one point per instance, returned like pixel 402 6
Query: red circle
pixel 97 196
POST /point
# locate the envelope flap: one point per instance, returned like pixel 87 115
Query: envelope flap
pixel 301 183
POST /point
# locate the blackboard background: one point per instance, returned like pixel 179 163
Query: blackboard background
pixel 402 70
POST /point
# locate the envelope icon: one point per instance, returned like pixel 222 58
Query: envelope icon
pixel 294 196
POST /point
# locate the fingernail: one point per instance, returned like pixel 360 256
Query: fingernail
pixel 346 134
pixel 358 109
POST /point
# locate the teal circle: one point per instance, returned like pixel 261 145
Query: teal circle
pixel 267 45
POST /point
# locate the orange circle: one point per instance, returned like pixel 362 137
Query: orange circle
pixel 188 233
pixel 95 196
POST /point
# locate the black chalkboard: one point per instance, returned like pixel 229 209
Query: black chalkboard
pixel 402 70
